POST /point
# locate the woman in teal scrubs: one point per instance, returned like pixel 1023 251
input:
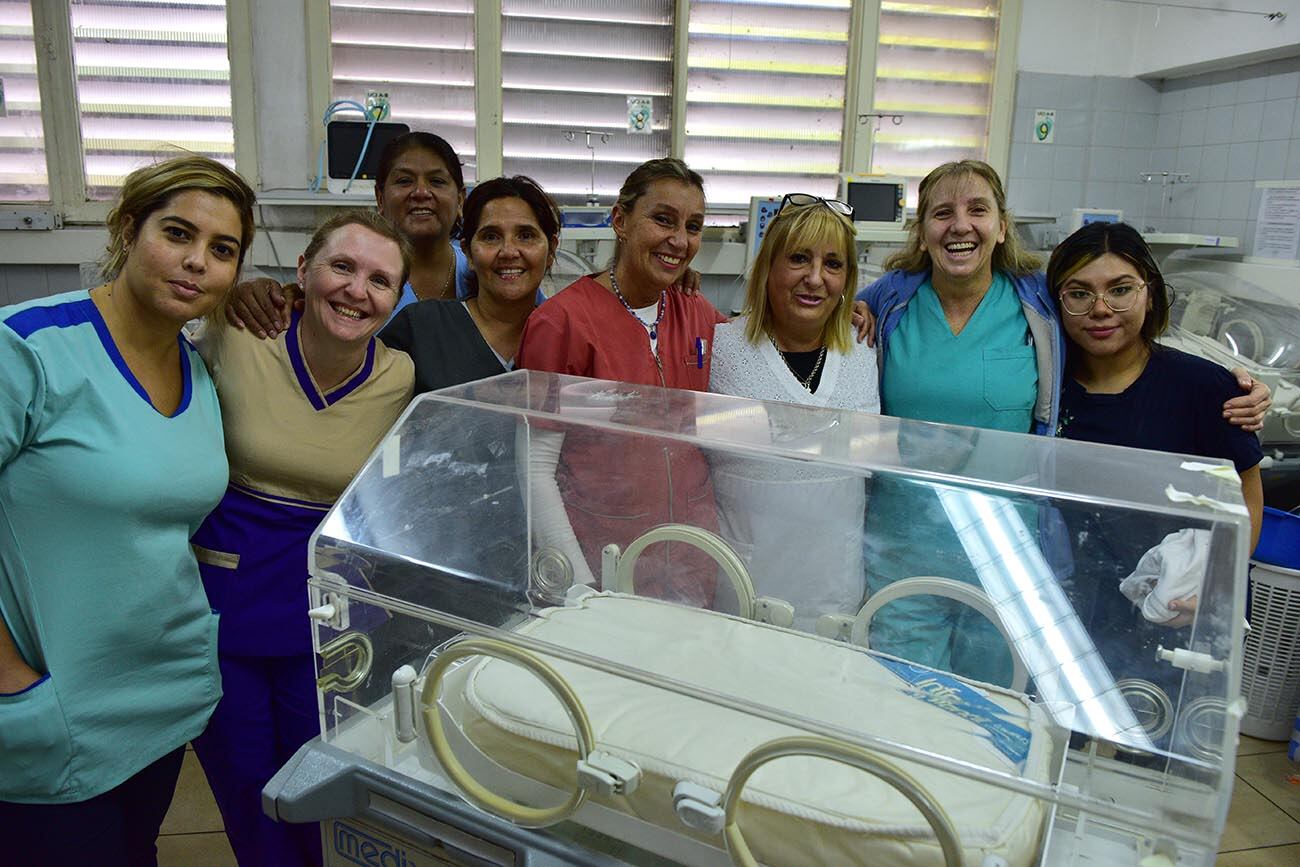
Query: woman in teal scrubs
pixel 967 334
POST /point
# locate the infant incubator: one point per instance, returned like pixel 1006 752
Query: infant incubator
pixel 480 707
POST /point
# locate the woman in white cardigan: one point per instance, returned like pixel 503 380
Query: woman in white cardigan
pixel 795 344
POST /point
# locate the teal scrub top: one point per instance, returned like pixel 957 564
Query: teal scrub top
pixel 99 495
pixel 986 376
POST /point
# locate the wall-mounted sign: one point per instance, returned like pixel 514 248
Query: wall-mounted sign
pixel 640 117
pixel 1044 125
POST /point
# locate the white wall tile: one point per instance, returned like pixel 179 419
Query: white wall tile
pixel 1235 204
pixel 1283 85
pixel 1066 196
pixel 1189 160
pixel 1182 200
pixel 1114 92
pixel 1293 161
pixel 1069 162
pixel 1246 121
pixel 1218 124
pixel 1099 194
pixel 1209 196
pixel 1072 127
pixel 1108 163
pixel 1139 130
pixel 1197 95
pixel 1143 96
pixel 1205 227
pixel 1192 129
pixel 1271 164
pixel 1214 163
pixel 1163 159
pixel 1108 128
pixel 1032 196
pixel 1078 92
pixel 1039 159
pixel 1223 93
pixel 1241 161
pixel 1252 85
pixel 1173 98
pixel 1044 90
pixel 1167 129
pixel 1278 116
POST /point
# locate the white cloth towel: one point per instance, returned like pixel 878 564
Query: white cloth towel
pixel 1171 570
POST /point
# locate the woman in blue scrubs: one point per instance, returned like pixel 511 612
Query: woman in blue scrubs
pixel 968 334
pixel 111 455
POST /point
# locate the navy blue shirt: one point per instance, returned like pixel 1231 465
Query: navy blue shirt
pixel 1175 405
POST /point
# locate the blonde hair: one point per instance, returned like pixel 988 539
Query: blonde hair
pixel 804 227
pixel 150 188
pixel 1008 256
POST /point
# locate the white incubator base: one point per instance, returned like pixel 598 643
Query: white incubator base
pixel 510 733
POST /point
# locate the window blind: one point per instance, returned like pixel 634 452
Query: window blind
pixel 934 65
pixel 765 97
pixel 151 76
pixel 23 174
pixel 421 52
pixel 568 66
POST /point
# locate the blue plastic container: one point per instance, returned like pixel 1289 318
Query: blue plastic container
pixel 1279 539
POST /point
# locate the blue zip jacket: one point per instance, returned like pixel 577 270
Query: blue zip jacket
pixel 889 296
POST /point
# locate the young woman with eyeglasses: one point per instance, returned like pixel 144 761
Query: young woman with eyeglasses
pixel 1123 388
pixel 795 343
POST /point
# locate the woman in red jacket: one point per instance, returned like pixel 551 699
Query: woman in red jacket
pixel 624 324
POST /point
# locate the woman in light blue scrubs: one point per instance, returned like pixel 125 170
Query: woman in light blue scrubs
pixel 111 454
pixel 967 334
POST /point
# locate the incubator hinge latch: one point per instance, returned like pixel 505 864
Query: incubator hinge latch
pixel 699 807
pixel 606 774
pixel 837 627
pixel 1190 660
pixel 777 612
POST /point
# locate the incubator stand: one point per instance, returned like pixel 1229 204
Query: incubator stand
pixel 715 699
pixel 1233 322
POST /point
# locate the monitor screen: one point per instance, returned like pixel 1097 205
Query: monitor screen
pixel 344 145
pixel 874 202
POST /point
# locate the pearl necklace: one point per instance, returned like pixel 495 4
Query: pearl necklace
pixel 652 327
pixel 806 383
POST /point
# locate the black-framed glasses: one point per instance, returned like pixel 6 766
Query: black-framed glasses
pixel 800 199
pixel 1119 298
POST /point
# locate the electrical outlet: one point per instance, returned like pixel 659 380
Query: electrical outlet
pixel 378 99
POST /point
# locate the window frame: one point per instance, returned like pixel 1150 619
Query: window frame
pixel 60 118
pixel 856 140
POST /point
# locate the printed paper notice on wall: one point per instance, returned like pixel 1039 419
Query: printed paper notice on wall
pixel 1277 229
pixel 640 116
pixel 1044 125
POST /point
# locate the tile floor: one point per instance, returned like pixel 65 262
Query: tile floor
pixel 1263 825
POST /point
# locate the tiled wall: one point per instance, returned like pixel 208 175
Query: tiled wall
pixel 1226 129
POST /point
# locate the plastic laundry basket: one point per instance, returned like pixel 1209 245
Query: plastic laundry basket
pixel 1270 678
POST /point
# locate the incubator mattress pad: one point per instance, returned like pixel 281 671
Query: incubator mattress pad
pixel 793 811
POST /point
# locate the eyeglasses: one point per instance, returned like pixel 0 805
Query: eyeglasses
pixel 1120 298
pixel 800 199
